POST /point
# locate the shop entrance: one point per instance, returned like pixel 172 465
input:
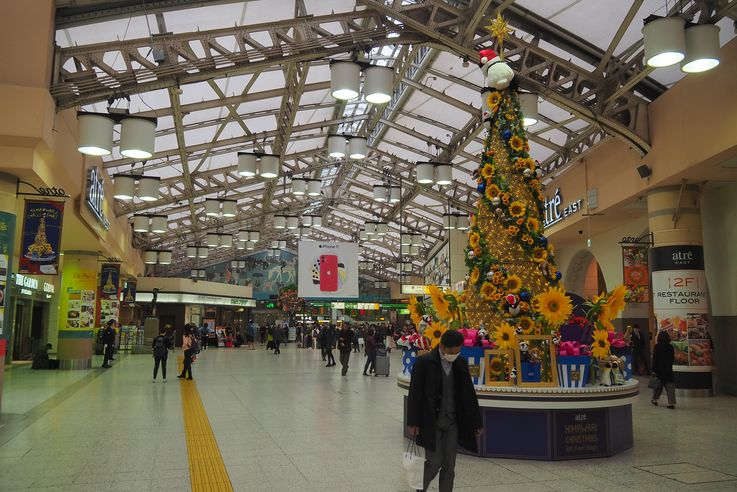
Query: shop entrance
pixel 28 329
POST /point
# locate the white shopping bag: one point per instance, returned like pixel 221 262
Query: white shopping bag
pixel 413 466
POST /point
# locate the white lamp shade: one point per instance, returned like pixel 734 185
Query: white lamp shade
pixel 140 223
pixel 370 228
pixel 254 236
pixel 299 186
pixel 212 240
pixel 307 220
pixel 148 189
pixel 202 274
pixel 243 236
pixel 212 207
pixel 150 257
pixel 406 239
pixel 357 148
pixel 380 193
pixel 414 250
pixel 528 105
pixel 241 264
pixel 407 267
pixel 280 222
pixel 240 245
pixel 395 194
pixel 164 257
pixel 378 83
pixel 463 223
pixel 230 208
pixel 314 187
pixel 336 146
pixel 226 241
pixel 316 221
pixel 382 228
pixel 665 41
pixel 425 172
pixel 250 246
pixel 405 249
pixel 443 174
pixel 282 244
pixel 124 187
pixel 234 264
pixel 137 136
pixel 269 166
pixel 158 224
pixel 191 252
pixel 247 164
pixel 269 253
pixel 202 252
pixel 345 80
pixel 702 48
pixel 274 244
pixel 362 235
pixel 292 222
pixel 194 273
pixel 416 240
pixel 95 134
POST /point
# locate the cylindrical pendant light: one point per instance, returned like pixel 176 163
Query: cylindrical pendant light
pixel 124 187
pixel 254 236
pixel 191 252
pixel 307 220
pixel 407 266
pixel 282 244
pixel 202 274
pixel 425 172
pixel 443 174
pixel 148 188
pixel 380 193
pixel 158 224
pixel 202 252
pixel 241 264
pixel 405 249
pixel 298 186
pixel 240 245
pixel 280 222
pixel 370 228
pixel 247 164
pixel 243 236
pixel 292 222
pixel 150 256
pixel 382 228
pixel 336 146
pixel 274 244
pixel 212 240
pixel 414 250
pixel 345 80
pixel 194 273
pixel 230 208
pixel 95 134
pixel 316 221
pixel 357 148
pixel 405 239
pixel 378 83
pixel 212 207
pixel 528 106
pixel 226 241
pixel 314 187
pixel 416 240
pixel 140 223
pixel 137 136
pixel 165 257
pixel 269 253
pixel 250 246
pixel 702 48
pixel 395 194
pixel 362 236
pixel 234 264
pixel 665 41
pixel 269 166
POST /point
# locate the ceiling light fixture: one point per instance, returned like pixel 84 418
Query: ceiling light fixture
pixel 95 134
pixel 337 146
pixel 440 173
pixel 665 40
pixel 528 106
pixel 702 48
pixel 357 148
pixel 378 84
pixel 258 163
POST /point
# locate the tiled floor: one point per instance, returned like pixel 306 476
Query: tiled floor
pixel 287 423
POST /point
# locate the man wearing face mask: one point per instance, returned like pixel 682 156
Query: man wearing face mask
pixel 442 409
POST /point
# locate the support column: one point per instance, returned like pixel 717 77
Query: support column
pixel 680 293
pixel 7 242
pixel 76 306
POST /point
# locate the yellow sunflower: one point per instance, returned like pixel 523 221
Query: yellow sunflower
pixel 513 283
pixel 473 239
pixel 524 306
pixel 506 197
pixel 496 367
pixel 520 164
pixel 487 291
pixel 473 220
pixel 530 241
pixel 517 208
pixel 526 323
pixel 493 100
pixel 477 251
pixel 531 165
pixel 600 347
pixel 516 143
pixel 606 323
pixel 533 224
pixel 554 305
pixel 487 171
pixel 604 310
pixel 504 337
pixel 415 311
pixel 492 192
pixel 434 331
pixel 439 302
pixel 474 277
pixel 525 238
pixel 615 301
pixel 512 230
pixel 498 278
pixel 520 221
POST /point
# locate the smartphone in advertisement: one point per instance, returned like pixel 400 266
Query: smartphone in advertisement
pixel 328 273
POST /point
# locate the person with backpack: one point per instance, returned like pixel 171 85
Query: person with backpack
pixel 161 346
pixel 189 343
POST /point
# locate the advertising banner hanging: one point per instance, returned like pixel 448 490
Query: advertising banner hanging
pixel 78 298
pixel 327 270
pixel 636 274
pixel 41 237
pixel 7 237
pixel 108 292
pixel 129 293
pixel 681 302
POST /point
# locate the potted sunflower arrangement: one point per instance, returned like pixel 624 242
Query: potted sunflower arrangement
pixel 602 310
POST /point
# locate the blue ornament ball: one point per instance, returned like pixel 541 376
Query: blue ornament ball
pixel 543 240
pixel 507 134
pixel 481 188
pixel 558 275
pixel 524 295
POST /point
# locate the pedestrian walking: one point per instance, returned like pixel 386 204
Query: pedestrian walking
pixel 187 345
pixel 443 409
pixel 369 347
pixel 277 334
pixel 161 345
pixel 345 339
pixel 108 340
pixel 250 335
pixel 204 336
pixel 663 358
pixel 328 344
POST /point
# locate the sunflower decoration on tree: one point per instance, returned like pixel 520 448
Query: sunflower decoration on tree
pixel 602 309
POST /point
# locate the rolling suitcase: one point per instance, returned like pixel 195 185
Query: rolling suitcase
pixel 382 363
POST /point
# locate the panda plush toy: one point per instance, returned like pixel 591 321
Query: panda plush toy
pixel 497 74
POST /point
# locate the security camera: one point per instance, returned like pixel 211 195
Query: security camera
pixel 580 232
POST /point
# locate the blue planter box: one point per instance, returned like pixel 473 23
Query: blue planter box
pixel 531 372
pixel 476 363
pixel 626 355
pixel 573 370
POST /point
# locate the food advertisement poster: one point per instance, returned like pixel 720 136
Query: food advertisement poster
pixel 636 274
pixel 41 238
pixel 79 285
pixel 108 292
pixel 681 302
pixel 7 236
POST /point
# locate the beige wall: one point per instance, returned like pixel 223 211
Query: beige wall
pixel 26 42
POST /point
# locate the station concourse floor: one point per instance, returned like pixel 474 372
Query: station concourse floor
pixel 287 423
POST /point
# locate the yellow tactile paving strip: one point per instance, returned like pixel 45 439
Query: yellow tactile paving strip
pixel 206 468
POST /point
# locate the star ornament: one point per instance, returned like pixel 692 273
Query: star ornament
pixel 499 29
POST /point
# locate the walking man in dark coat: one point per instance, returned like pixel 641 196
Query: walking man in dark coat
pixel 443 410
pixel 345 340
